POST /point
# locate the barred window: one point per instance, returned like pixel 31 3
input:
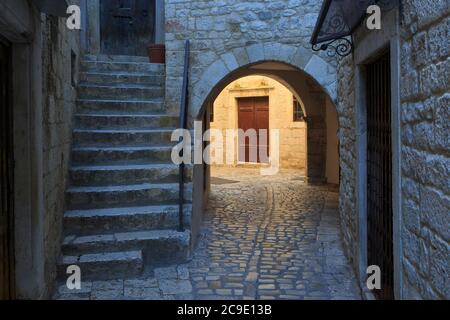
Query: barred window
pixel 298 111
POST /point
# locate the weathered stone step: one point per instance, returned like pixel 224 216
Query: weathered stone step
pixel 125 174
pixel 119 106
pixel 157 246
pixel 129 67
pixel 124 195
pixel 118 121
pixel 120 78
pixel 121 155
pixel 137 93
pixel 115 58
pixel 104 265
pixel 86 137
pixel 114 220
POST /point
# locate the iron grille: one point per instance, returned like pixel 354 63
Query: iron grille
pixel 379 173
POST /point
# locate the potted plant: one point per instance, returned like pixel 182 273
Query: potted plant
pixel 157 53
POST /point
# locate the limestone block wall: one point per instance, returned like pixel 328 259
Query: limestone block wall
pixel 425 155
pixel 60 54
pixel 225 34
pixel 292 134
pixel 425 118
pixel 347 137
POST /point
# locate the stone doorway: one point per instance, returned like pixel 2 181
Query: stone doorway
pixel 379 173
pixel 127 26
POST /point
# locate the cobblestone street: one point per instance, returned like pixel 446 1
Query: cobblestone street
pixel 271 238
pixel 262 238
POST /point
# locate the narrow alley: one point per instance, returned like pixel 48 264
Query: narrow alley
pixel 263 238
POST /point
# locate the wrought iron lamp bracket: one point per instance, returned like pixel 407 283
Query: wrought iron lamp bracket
pixel 340 46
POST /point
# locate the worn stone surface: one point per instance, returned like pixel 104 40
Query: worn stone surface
pixel 425 157
pixel 263 238
pixel 59 75
pixel 226 35
pixel 425 149
pixel 271 238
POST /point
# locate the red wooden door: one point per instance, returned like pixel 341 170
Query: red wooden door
pixel 253 113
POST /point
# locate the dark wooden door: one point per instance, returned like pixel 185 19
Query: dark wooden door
pixel 127 26
pixel 253 113
pixel 379 174
pixel 6 178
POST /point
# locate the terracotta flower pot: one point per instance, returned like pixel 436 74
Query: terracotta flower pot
pixel 157 53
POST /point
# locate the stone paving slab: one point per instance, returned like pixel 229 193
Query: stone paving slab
pixel 262 238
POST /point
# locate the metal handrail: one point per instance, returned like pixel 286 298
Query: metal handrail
pixel 183 125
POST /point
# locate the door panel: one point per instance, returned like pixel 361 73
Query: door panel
pixel 379 174
pixel 6 178
pixel 253 113
pixel 262 123
pixel 126 26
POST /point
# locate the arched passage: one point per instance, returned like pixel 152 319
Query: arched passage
pixel 302 75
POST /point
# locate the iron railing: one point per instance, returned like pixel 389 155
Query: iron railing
pixel 183 125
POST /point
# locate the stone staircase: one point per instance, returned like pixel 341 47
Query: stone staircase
pixel 122 200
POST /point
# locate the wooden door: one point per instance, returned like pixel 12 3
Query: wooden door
pixel 127 26
pixel 6 178
pixel 253 113
pixel 379 174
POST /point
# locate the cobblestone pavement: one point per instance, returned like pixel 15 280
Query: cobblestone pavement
pixel 262 238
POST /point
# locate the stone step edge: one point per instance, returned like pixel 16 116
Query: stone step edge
pixel 124 211
pixel 101 257
pixel 115 87
pixel 133 236
pixel 126 188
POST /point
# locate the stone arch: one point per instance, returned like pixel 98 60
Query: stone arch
pixel 301 65
pixel 233 62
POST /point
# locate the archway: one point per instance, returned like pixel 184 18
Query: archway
pixel 318 108
pixel 253 226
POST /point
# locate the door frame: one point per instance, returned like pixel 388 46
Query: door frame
pixel 113 25
pixel 368 45
pixel 90 29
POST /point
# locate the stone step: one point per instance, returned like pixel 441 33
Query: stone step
pixel 124 195
pixel 126 174
pixel 142 137
pixel 115 58
pixel 137 93
pixel 129 67
pixel 121 155
pixel 104 265
pixel 114 220
pixel 120 78
pixel 118 121
pixel 119 106
pixel 157 246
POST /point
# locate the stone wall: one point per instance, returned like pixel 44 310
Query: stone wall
pixel 425 118
pixel 292 134
pixel 220 31
pixel 59 75
pixel 425 163
pixel 347 137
